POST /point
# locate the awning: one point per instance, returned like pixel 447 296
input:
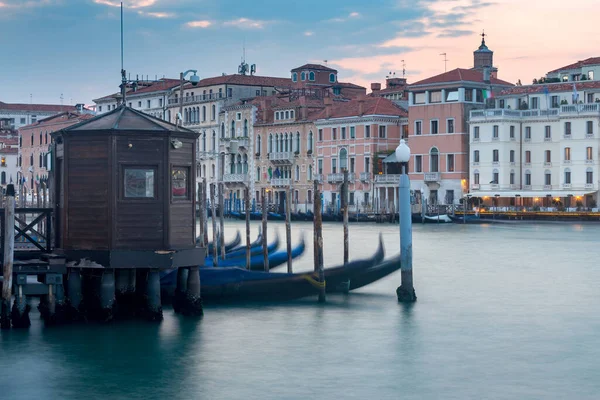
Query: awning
pixel 530 193
pixel 390 159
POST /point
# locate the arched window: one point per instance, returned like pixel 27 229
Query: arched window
pixel 547 178
pixel 286 142
pixel 567 176
pixel 297 149
pixel 258 145
pixel 232 164
pixel 287 115
pixel 309 197
pixel 204 141
pixel 277 142
pixel 213 171
pixel 203 113
pixel 41 161
pixel 245 128
pixel 589 176
pixel 297 173
pixel 309 176
pixel 512 176
pixel 303 76
pixel 495 177
pixel 310 142
pixel 214 112
pixel 343 159
pixel 222 130
pixel 270 143
pixel 232 132
pixel 434 162
pixel 332 78
pixel 20 161
pixel 204 171
pixel 292 114
pixel 31 160
pixel 239 164
pixel 295 77
pixel 20 141
pixel 40 138
pixel 258 174
pixel 311 76
pixel 245 164
pixel 476 177
pixel 214 144
pixel 32 139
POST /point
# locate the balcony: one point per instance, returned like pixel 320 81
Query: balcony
pixel 566 186
pixel 475 186
pixel 318 178
pixel 286 182
pixel 282 158
pixel 235 178
pixel 365 176
pixel 589 135
pixel 494 186
pixel 383 179
pixel 433 177
pixel 495 114
pixel 198 99
pixel 242 142
pixel 547 187
pixel 589 161
pixel 514 187
pixel 589 185
pixel 339 178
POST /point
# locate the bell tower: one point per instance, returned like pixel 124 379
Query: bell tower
pixel 483 57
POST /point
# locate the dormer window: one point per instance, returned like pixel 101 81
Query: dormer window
pixel 295 77
pixel 303 76
pixel 332 78
pixel 311 76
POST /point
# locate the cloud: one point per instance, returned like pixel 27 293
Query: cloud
pixel 127 4
pixel 246 23
pixel 309 33
pixel 199 24
pixel 156 14
pixel 453 33
pixel 15 4
pixel 352 15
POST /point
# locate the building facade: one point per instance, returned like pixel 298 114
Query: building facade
pixel 539 146
pixel 9 153
pixel 19 115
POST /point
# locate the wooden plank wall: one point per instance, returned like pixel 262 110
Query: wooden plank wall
pixel 182 214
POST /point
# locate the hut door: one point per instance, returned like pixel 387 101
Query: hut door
pixel 58 207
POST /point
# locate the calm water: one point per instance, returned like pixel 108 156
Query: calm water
pixel 504 312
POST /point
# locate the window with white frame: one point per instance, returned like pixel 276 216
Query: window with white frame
pixel 418 127
pixel 450 125
pixel 433 127
pixel 567 176
pixel 450 162
pixel 418 163
pixel 382 131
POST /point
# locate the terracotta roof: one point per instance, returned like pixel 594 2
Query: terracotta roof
pixel 281 102
pixel 315 66
pixel 36 107
pixel 348 85
pixel 371 106
pixel 459 75
pixel 552 88
pixel 9 150
pixel 578 64
pixel 160 85
pixel 243 80
pixel 62 120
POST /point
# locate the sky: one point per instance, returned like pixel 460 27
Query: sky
pixel 71 48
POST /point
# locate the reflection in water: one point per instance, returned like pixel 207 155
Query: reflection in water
pixel 498 316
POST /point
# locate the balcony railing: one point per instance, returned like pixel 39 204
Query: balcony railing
pixel 432 177
pixel 566 186
pixel 339 177
pixel 198 99
pixel 475 186
pixel 235 178
pixel 395 179
pixel 281 181
pixel 242 142
pixel 285 157
pixel 365 176
pixel 318 178
pixel 590 108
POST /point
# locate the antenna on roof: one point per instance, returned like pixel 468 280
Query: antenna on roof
pixel 61 102
pixel 403 69
pixel 325 61
pixel 123 73
pixel 445 62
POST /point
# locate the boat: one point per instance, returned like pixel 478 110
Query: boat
pixel 302 216
pixel 275 259
pixel 256 242
pixel 271 216
pixel 238 215
pixel 239 285
pixel 375 273
pixel 228 246
pixel 331 217
pixel 431 219
pixel 240 252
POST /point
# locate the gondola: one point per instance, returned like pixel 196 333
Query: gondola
pixel 240 252
pixel 271 216
pixel 302 216
pixel 228 246
pixel 375 273
pixel 331 217
pixel 256 242
pixel 431 219
pixel 239 285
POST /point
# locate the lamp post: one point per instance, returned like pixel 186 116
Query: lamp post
pixel 194 79
pixel 406 291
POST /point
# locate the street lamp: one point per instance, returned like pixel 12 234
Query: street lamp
pixel 194 79
pixel 406 291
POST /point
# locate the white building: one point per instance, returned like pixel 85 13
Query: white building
pixel 588 69
pixel 539 147
pixel 20 115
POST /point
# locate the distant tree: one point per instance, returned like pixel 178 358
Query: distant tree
pixel 535 81
pixel 519 83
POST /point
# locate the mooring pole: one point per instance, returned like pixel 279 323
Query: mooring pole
pixel 200 219
pixel 9 243
pixel 317 204
pixel 345 211
pixel 288 229
pixel 205 212
pixel 221 221
pixel 247 205
pixel 406 291
pixel 264 231
pixel 214 225
pixel 318 229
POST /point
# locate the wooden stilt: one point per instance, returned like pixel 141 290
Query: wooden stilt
pixel 221 221
pixel 247 201
pixel 213 210
pixel 200 219
pixel 345 211
pixel 264 231
pixel 288 229
pixel 9 243
pixel 205 211
pixel 319 234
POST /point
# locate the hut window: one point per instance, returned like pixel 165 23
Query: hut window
pixel 139 183
pixel 180 183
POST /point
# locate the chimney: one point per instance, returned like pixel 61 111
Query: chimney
pixel 265 105
pixel 361 106
pixel 328 101
pixel 375 87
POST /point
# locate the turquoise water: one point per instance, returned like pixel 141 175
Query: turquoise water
pixel 503 312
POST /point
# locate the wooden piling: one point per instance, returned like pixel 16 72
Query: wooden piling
pixel 345 211
pixel 288 229
pixel 200 219
pixel 264 231
pixel 9 243
pixel 247 205
pixel 316 201
pixel 318 225
pixel 213 210
pixel 221 221
pixel 205 211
